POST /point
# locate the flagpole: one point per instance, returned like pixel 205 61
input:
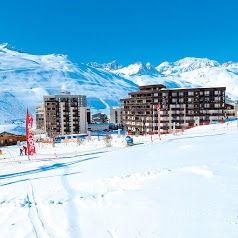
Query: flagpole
pixel 27 132
pixel 31 149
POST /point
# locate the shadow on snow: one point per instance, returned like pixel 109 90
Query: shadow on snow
pixel 44 168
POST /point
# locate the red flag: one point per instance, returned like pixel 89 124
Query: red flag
pixel 29 136
pixel 158 107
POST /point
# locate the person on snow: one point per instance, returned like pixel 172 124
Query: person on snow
pixel 25 150
pixel 21 151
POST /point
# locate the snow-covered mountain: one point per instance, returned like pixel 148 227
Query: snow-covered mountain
pixel 185 65
pixel 137 69
pixel 187 72
pixel 114 65
pixel 26 78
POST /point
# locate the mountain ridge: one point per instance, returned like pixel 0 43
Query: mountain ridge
pixel 26 78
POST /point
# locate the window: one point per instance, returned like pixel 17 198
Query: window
pixel 190 93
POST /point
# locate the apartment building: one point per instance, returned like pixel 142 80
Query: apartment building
pixel 65 114
pixel 116 116
pixel 99 118
pixel 40 117
pixel 179 107
pixel 231 110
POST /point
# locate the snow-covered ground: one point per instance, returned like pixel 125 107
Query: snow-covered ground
pixel 182 186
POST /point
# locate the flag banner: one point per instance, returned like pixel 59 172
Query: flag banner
pixel 158 107
pixel 29 135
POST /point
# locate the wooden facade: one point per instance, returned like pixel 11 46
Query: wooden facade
pixel 7 138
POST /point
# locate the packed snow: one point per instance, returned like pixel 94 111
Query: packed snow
pixel 184 185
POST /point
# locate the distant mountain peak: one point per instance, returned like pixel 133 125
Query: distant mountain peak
pixel 200 62
pixel 229 64
pixel 114 65
pixel 4 45
pixel 138 68
pixel 147 69
pixel 149 66
pixel 186 64
pixel 10 47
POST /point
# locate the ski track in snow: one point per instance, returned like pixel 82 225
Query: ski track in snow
pixel 100 189
pixel 76 196
pixel 104 189
pixel 72 209
pixel 35 215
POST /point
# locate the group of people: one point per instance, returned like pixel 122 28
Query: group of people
pixel 23 149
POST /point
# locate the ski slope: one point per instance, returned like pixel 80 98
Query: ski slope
pixel 183 185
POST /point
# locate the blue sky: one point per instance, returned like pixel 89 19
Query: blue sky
pixel 125 30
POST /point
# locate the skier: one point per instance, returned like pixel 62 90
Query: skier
pixel 21 151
